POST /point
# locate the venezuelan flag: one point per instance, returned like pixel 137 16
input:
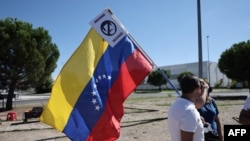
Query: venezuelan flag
pixel 87 97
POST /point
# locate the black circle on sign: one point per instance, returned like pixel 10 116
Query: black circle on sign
pixel 108 28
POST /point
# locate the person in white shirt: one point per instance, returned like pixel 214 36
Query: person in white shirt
pixel 244 117
pixel 184 121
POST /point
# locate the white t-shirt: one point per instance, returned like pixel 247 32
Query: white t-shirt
pixel 183 115
pixel 247 103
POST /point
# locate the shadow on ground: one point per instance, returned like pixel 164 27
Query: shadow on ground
pixel 138 110
pixel 21 123
pixel 138 122
pixel 241 97
pixel 53 138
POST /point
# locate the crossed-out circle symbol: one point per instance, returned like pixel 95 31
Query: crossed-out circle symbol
pixel 108 28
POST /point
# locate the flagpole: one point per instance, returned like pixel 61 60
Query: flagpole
pixel 152 62
pixel 142 51
pixel 166 77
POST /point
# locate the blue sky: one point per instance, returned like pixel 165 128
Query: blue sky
pixel 165 29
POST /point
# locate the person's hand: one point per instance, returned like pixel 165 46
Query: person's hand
pixel 204 84
pixel 203 120
pixel 203 93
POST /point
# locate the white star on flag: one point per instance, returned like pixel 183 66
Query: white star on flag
pixel 98 80
pixel 94 101
pixel 97 107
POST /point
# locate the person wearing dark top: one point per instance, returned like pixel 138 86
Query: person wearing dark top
pixel 210 113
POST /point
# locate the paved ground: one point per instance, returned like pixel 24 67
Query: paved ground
pixel 150 121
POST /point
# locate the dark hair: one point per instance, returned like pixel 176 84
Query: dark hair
pixel 210 89
pixel 189 83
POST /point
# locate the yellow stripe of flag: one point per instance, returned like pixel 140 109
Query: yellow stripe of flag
pixel 72 79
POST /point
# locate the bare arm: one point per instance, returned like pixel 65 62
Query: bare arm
pixel 187 136
pixel 204 92
pixel 219 128
pixel 201 100
pixel 244 117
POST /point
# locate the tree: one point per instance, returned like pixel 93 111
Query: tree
pixel 155 78
pixel 27 56
pixel 45 87
pixel 234 62
pixel 182 74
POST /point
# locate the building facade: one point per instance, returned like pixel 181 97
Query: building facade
pixel 211 73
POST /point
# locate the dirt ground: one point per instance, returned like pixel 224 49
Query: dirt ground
pixel 145 119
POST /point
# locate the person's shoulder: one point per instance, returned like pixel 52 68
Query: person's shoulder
pixel 244 117
pixel 248 98
pixel 210 99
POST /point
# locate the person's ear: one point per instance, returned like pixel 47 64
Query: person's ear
pixel 198 90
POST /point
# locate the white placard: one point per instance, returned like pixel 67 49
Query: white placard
pixel 109 27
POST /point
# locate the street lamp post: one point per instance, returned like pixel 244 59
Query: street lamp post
pixel 199 38
pixel 208 66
